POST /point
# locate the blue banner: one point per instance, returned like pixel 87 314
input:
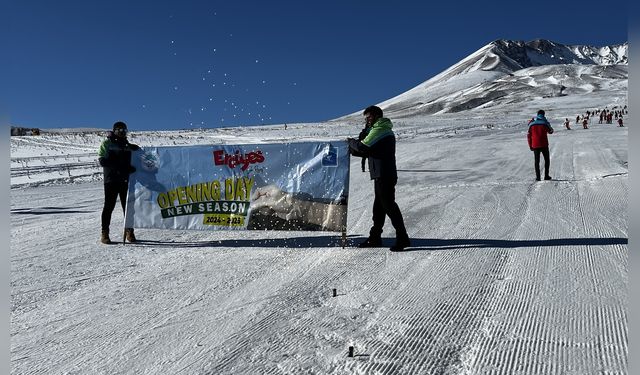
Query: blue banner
pixel 290 186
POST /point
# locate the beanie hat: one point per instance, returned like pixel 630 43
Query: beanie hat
pixel 119 125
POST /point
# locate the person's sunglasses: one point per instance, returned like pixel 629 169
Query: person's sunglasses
pixel 120 131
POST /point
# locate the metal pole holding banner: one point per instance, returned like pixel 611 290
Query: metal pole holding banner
pixel 344 228
pixel 344 237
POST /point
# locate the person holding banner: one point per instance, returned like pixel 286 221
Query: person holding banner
pixel 114 156
pixel 379 146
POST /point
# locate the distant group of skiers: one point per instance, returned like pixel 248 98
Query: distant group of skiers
pixel 605 116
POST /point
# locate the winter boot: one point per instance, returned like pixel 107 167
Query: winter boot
pixel 371 242
pixel 104 237
pixel 402 241
pixel 374 239
pixel 129 235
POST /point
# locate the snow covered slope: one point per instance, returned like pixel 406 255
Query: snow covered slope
pixel 506 275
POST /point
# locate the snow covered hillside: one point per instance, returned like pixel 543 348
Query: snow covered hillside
pixel 505 275
pixel 508 72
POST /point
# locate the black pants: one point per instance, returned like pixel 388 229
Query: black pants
pixel 384 204
pixel 547 160
pixel 111 193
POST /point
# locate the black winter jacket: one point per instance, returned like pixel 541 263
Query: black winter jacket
pixel 381 156
pixel 114 156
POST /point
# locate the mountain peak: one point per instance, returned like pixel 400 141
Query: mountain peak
pixel 540 52
pixel 507 72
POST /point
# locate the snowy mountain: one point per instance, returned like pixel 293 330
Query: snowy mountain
pixel 505 72
pixel 505 275
pixel 544 52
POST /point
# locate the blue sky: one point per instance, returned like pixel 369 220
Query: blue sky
pixel 190 64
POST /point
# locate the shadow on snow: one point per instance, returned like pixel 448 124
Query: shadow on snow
pixel 416 243
pixel 447 244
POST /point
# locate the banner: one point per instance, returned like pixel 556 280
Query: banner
pixel 291 186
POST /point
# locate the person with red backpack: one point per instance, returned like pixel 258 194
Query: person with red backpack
pixel 539 127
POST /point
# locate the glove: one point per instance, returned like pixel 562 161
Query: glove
pixel 134 147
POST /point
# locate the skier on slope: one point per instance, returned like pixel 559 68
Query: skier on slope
pixel 539 127
pixel 114 156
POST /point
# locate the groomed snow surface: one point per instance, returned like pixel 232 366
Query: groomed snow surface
pixel 506 275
